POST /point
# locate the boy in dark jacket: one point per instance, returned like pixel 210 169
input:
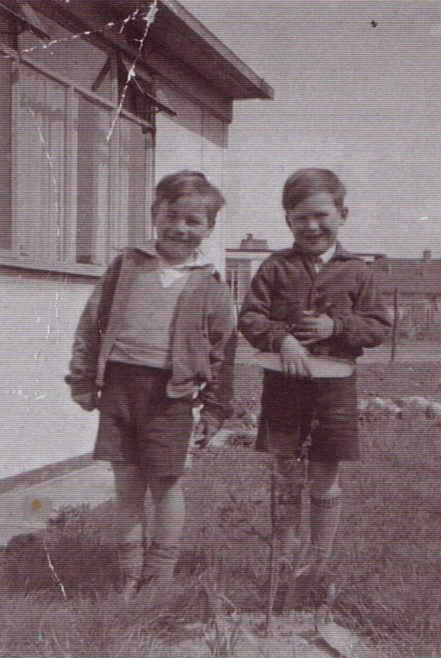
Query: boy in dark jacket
pixel 314 298
pixel 157 336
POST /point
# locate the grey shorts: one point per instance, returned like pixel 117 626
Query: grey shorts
pixel 139 424
pixel 324 409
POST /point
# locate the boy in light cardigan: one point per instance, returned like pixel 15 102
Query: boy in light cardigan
pixel 157 336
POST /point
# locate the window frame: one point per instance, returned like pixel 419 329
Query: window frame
pixel 12 256
pixel 236 269
pixel 232 279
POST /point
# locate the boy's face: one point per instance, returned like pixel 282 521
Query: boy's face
pixel 181 226
pixel 315 222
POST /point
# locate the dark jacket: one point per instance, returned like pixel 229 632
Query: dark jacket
pixel 286 284
pixel 203 334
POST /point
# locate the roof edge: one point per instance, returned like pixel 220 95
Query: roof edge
pixel 176 34
pixel 176 10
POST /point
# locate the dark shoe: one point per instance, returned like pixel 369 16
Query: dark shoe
pixel 309 590
pixel 285 578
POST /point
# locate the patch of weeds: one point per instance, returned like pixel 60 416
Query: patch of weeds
pixel 387 559
pixel 81 548
pixel 228 510
pixel 386 563
pixel 242 439
pixel 80 629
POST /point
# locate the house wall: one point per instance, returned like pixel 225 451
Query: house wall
pixel 40 425
pixel 195 139
pixel 241 266
pixel 39 311
pixel 419 315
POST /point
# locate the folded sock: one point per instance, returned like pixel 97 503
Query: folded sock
pixel 325 518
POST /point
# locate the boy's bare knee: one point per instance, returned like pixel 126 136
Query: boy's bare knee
pixel 288 467
pixel 324 478
pixel 130 485
pixel 161 486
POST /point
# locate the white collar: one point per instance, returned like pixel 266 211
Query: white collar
pixel 326 256
pixel 197 259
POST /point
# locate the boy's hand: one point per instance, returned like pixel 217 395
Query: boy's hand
pixel 313 327
pixel 294 358
pixel 87 401
pixel 203 433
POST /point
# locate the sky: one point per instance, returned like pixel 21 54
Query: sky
pixel 362 100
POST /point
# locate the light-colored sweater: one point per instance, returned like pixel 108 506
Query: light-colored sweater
pixel 145 335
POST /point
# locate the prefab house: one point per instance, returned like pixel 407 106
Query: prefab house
pixel 414 286
pixel 100 98
pixel 243 263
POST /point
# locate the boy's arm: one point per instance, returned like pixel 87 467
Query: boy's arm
pixel 85 349
pixel 87 340
pixel 255 323
pixel 217 395
pixel 267 334
pixel 369 323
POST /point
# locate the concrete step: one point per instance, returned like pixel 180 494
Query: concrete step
pixel 27 509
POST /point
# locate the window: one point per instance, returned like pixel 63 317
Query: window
pixel 233 282
pixel 69 195
pixel 5 160
pixel 76 60
pixel 238 276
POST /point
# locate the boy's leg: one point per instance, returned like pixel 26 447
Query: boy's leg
pixel 284 401
pixel 326 503
pixel 334 439
pixel 163 552
pixel 289 475
pixel 130 486
pixel 325 498
pixel 289 483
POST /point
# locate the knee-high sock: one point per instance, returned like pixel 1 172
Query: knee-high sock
pixel 130 486
pixel 162 555
pixel 290 511
pixel 325 517
pixel 160 562
pixel 289 481
pixel 131 549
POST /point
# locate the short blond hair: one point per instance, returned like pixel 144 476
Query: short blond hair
pixel 305 182
pixel 185 183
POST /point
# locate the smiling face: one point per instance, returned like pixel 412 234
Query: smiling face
pixel 181 226
pixel 315 222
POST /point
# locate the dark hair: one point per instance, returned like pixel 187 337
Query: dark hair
pixel 305 182
pixel 186 182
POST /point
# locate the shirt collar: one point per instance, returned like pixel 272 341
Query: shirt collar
pixel 198 259
pixel 325 257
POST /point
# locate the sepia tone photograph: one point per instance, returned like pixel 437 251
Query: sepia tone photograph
pixel 220 290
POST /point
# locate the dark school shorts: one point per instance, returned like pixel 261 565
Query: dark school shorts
pixel 139 424
pixel 326 409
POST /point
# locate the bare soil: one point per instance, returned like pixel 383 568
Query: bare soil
pixel 394 380
pixel 385 380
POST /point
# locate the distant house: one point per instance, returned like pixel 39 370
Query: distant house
pixel 95 109
pixel 370 257
pixel 417 281
pixel 418 285
pixel 242 264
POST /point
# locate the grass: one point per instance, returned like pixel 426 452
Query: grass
pixel 386 563
pixel 388 555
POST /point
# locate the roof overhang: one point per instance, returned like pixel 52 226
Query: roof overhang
pixel 175 33
pixel 178 33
